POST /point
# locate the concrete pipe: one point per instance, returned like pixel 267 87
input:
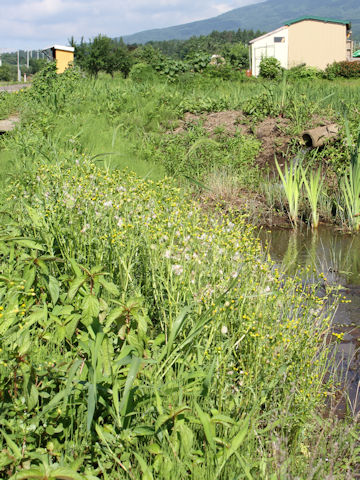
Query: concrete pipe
pixel 320 135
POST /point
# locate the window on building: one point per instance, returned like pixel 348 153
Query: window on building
pixel 279 39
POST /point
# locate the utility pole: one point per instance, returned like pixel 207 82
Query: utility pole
pixel 27 59
pixel 18 67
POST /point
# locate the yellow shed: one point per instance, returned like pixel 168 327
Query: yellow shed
pixel 64 56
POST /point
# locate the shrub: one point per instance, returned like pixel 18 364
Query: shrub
pixel 303 71
pixel 220 71
pixel 270 68
pixel 261 106
pixel 141 72
pixel 7 73
pixel 342 69
pixel 171 68
pixel 198 61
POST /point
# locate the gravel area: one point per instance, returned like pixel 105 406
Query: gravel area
pixel 14 88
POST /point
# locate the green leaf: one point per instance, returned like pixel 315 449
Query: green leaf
pixel 144 430
pixel 36 219
pixel 235 445
pixel 133 371
pixel 75 267
pixel 114 315
pixel 147 475
pixel 239 438
pixel 77 283
pixel 63 394
pixel 110 287
pixel 30 244
pixel 90 306
pixel 63 473
pixel 177 325
pixel 91 404
pixel 154 449
pixel 33 398
pixel 29 278
pixel 15 450
pixel 209 428
pixel 207 379
pixel 54 289
pixel 32 473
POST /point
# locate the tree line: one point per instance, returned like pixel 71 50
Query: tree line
pixel 104 54
pixel 113 55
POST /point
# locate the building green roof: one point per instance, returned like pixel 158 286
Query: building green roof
pixel 319 19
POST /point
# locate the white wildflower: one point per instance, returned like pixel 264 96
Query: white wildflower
pixel 177 269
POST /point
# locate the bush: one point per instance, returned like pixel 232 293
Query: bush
pixel 303 71
pixel 7 73
pixel 342 69
pixel 270 68
pixel 220 71
pixel 261 106
pixel 141 72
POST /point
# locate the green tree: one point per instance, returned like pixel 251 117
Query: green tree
pixel 35 65
pixel 118 60
pixel 238 55
pixel 7 73
pixel 98 55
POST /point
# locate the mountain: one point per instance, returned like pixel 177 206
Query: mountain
pixel 265 16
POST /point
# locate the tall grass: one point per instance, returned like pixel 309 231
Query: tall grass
pixel 313 186
pixel 292 182
pixel 350 183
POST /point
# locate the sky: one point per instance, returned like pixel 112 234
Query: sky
pixel 37 24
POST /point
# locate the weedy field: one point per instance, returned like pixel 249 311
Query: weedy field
pixel 144 332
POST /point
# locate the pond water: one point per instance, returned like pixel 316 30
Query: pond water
pixel 337 256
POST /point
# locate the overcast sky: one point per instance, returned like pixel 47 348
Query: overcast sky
pixel 33 24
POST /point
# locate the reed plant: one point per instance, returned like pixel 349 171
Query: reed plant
pixel 313 186
pixel 350 189
pixel 350 182
pixel 292 182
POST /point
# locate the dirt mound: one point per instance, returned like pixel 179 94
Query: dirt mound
pixel 230 121
pixel 271 131
pixel 275 141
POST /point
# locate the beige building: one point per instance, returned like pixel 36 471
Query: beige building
pixel 314 41
pixel 64 56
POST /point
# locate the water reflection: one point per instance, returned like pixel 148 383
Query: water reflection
pixel 337 256
pixel 332 253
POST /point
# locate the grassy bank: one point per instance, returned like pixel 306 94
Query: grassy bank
pixel 141 336
pixel 205 129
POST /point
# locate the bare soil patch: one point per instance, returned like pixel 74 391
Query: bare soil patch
pixel 271 131
pixel 9 123
pixel 230 121
pixel 275 141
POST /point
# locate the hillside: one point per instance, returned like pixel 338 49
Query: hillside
pixel 263 16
